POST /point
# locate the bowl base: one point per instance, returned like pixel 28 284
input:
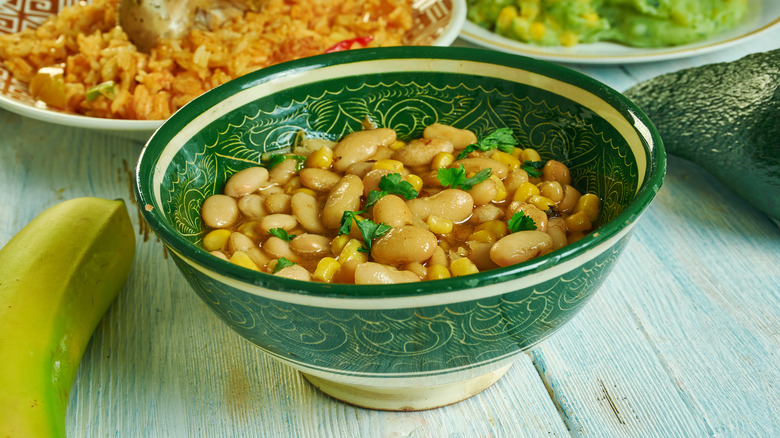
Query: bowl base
pixel 416 398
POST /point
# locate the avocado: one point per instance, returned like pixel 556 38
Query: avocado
pixel 725 117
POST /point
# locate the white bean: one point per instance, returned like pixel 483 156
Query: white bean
pixel 453 204
pixel 308 245
pixel 475 164
pixel 239 242
pixel 556 228
pixel 372 178
pixel 286 222
pixel 344 196
pixel 360 169
pixel 539 217
pixel 479 254
pixel 551 190
pixel 392 210
pixel 278 203
pixel 219 211
pixel 460 138
pixel 484 193
pixel 278 248
pixel 319 180
pixel 306 210
pixel 258 256
pixel 420 152
pixel 486 213
pixel 556 171
pixel 404 244
pixel 514 179
pixel 283 172
pixel 295 272
pixel 246 181
pixel 359 146
pixel 375 273
pixel 570 198
pixel 519 247
pixel 252 206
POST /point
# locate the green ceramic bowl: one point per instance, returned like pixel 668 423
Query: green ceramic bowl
pixel 406 346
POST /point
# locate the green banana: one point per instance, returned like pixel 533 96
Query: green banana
pixel 58 276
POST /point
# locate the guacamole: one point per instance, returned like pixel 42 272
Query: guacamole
pixel 639 23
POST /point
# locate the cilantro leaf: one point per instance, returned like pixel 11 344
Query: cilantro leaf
pixel 346 221
pixel 390 184
pixel 394 185
pixel 373 197
pixel 533 168
pixel 282 263
pixel 368 229
pixel 502 139
pixel 521 222
pixel 281 233
pixel 455 177
pixel 371 230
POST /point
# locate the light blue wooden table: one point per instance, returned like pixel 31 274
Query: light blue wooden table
pixel 683 339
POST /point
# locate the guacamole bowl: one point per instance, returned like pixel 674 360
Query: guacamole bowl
pixel 414 345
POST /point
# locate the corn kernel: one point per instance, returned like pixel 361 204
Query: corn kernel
pixel 352 251
pixel 501 191
pixel 505 17
pixel 415 181
pixel 588 203
pixel 322 158
pixel 326 269
pixel 306 190
pixel 388 164
pixel 216 240
pixel 538 30
pixel 541 202
pixel 397 145
pixel 497 227
pixel 484 235
pixel 568 38
pixel 439 225
pixel 463 266
pixel 578 222
pixel 441 160
pixel 530 154
pixel 337 244
pixel 590 17
pixel 438 272
pixel 241 258
pixel 510 160
pixel 525 191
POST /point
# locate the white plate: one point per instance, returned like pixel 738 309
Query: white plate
pixel 761 16
pixel 436 23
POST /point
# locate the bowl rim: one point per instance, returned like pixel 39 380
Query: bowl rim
pixel 178 244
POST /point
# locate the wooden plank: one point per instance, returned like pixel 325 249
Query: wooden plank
pixel 682 340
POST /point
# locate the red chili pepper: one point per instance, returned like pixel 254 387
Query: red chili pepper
pixel 347 44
